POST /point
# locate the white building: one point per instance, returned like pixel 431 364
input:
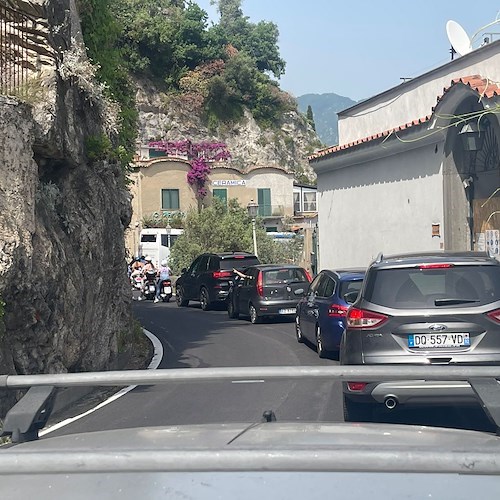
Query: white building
pixel 401 178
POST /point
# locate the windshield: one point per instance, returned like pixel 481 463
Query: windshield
pixel 434 288
pixel 238 263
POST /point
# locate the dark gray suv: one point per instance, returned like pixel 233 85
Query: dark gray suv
pixel 425 309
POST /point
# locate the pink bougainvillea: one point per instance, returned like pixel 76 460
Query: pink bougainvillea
pixel 199 155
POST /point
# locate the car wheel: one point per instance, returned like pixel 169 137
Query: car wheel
pixel 298 331
pixel 204 299
pixel 254 317
pixel 231 310
pixel 319 343
pixel 179 298
pixel 357 412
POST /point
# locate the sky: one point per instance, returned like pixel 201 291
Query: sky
pixel 360 49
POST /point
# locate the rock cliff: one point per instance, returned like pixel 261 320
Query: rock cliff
pixel 62 217
pixel 286 145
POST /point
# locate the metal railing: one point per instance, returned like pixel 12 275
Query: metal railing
pixel 14 43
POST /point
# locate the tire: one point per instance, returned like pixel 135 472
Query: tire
pixel 357 412
pixel 298 331
pixel 181 301
pixel 205 299
pixel 319 343
pixel 254 317
pixel 231 310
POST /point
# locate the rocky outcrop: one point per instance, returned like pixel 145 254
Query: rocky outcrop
pixel 287 146
pixel 62 218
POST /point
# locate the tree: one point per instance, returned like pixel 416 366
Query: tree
pixel 310 117
pixel 218 228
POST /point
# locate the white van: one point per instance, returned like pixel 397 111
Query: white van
pixel 156 243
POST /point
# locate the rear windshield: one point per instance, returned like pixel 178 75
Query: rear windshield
pixel 350 286
pixel 238 263
pixel 456 286
pixel 290 275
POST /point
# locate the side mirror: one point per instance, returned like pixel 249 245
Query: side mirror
pixel 299 291
pixel 351 297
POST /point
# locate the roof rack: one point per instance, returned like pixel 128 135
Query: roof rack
pixel 379 258
pixel 31 413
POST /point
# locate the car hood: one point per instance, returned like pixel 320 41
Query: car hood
pixel 271 436
pixel 248 461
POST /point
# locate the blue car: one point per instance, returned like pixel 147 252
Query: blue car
pixel 321 314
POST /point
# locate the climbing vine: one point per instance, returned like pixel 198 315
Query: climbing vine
pixel 199 155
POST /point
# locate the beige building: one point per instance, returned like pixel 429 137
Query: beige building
pixel 159 186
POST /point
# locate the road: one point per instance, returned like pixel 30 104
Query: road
pixel 192 338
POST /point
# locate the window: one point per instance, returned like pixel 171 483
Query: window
pixel 148 238
pixel 296 202
pixel 310 202
pixel 221 194
pixel 264 200
pixel 170 199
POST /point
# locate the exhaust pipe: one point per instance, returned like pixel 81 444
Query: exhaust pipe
pixel 390 402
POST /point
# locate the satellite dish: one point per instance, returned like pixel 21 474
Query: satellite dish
pixel 458 38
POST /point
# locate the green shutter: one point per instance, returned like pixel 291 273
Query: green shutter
pixel 170 199
pixel 264 200
pixel 221 194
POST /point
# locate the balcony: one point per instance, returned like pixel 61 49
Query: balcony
pixel 271 211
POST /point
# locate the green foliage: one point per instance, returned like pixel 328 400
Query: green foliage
pixel 218 228
pixel 98 147
pixel 163 219
pixel 310 117
pixel 101 33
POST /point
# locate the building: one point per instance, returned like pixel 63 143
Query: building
pixel 417 167
pixel 159 186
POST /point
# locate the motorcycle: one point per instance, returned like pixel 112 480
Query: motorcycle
pixel 149 286
pixel 166 289
pixel 137 282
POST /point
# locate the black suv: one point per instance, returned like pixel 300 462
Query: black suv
pixel 209 277
pixel 423 309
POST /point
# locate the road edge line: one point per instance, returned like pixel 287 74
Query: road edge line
pixel 153 365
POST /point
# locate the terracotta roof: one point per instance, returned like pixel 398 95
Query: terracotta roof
pixel 483 86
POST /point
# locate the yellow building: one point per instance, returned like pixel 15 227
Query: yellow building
pixel 159 185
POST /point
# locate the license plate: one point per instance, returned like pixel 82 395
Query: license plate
pixel 287 311
pixel 167 289
pixel 152 288
pixel 430 340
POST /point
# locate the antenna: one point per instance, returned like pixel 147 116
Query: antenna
pixel 460 41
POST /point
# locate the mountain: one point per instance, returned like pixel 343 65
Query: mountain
pixel 325 108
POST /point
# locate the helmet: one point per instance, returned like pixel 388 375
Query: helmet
pixel 164 263
pixel 148 259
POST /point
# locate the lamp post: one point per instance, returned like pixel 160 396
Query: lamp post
pixel 472 141
pixel 168 228
pixel 253 209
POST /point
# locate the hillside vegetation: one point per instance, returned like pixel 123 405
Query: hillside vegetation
pixel 218 70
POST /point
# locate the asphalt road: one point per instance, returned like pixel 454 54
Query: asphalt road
pixel 192 338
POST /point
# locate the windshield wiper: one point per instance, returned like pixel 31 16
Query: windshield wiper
pixel 451 302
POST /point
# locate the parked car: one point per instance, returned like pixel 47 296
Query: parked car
pixel 209 277
pixel 267 290
pixel 321 314
pixel 423 309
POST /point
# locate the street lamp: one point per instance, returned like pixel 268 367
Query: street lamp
pixel 168 229
pixel 253 209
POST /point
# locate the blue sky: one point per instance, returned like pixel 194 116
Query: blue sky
pixel 362 48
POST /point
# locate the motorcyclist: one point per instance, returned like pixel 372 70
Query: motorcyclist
pixel 163 273
pixel 148 266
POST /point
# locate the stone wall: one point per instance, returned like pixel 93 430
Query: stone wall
pixel 62 222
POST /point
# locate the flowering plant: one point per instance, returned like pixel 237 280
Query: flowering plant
pixel 199 155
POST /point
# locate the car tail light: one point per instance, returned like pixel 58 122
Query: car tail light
pixel 222 274
pixel 337 311
pixel 260 285
pixel 494 315
pixel 308 276
pixel 360 318
pixel 356 386
pixel 435 266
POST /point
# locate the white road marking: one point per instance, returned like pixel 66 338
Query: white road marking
pixel 153 365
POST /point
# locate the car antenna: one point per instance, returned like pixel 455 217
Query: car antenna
pixel 267 416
